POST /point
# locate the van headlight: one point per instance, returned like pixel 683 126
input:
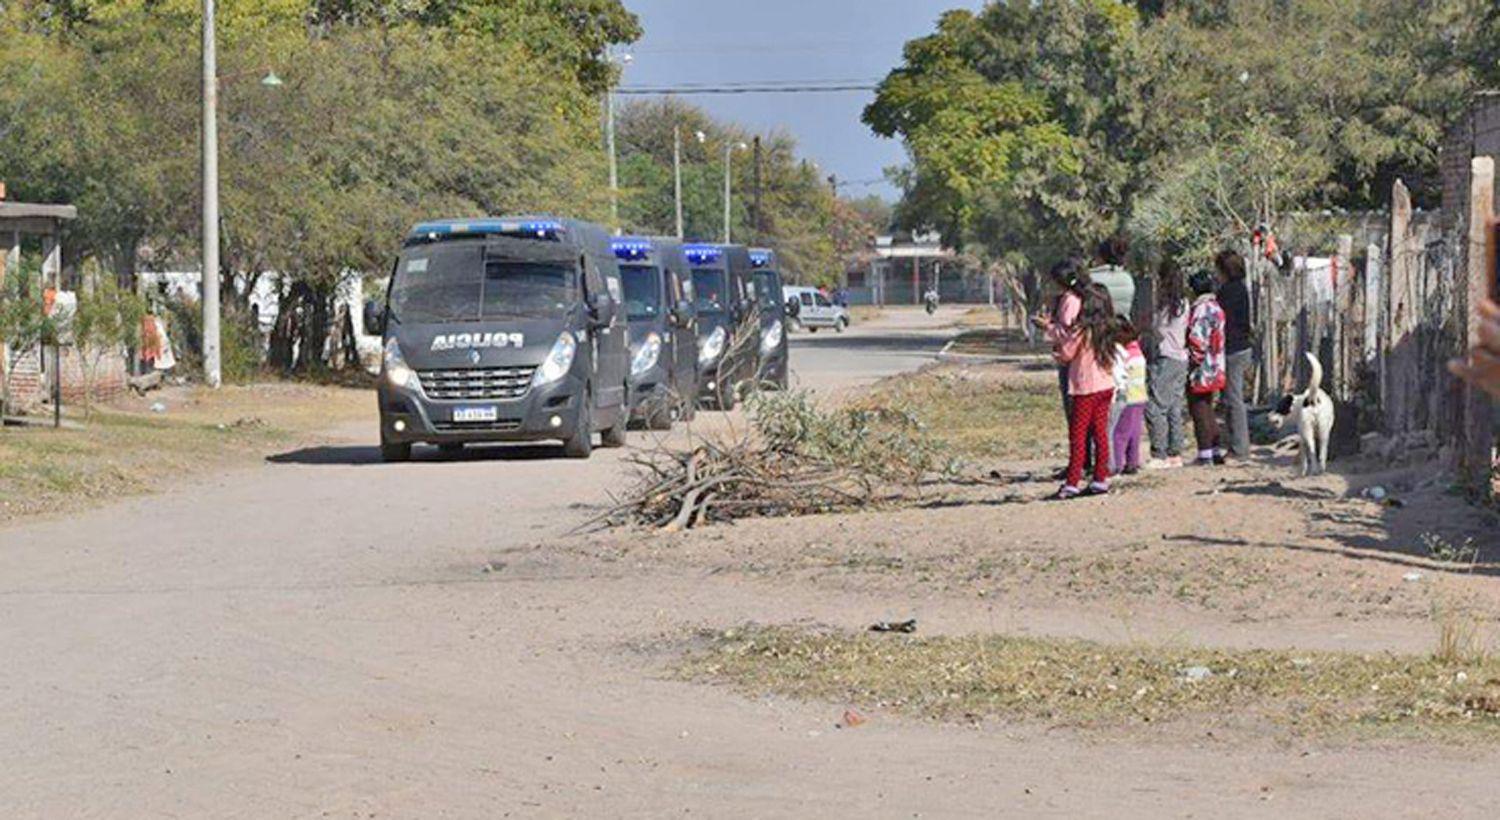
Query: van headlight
pixel 712 346
pixel 770 339
pixel 559 361
pixel 646 356
pixel 396 369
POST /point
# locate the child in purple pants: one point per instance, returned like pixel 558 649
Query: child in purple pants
pixel 1130 383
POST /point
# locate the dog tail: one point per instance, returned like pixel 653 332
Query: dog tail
pixel 1316 383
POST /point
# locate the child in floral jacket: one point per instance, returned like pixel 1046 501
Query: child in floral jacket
pixel 1206 375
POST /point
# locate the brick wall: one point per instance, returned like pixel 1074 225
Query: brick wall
pixel 31 379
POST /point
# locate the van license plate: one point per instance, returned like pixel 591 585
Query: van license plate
pixel 469 415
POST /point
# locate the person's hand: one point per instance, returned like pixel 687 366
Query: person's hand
pixel 1042 321
pixel 1482 366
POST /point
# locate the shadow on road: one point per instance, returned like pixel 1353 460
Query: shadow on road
pixel 356 455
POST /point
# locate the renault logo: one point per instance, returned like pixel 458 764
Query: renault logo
pixel 474 357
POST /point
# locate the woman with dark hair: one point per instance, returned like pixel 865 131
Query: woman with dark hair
pixel 1089 354
pixel 1239 320
pixel 1167 375
pixel 1072 281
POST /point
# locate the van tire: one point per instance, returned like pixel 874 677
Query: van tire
pixel 581 444
pixel 660 417
pixel 394 453
pixel 616 436
pixel 811 329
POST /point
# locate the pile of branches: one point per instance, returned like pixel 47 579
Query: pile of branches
pixel 797 460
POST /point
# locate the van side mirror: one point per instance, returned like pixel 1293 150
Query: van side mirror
pixel 601 312
pixel 374 318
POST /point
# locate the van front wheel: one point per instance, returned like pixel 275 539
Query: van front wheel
pixel 613 437
pixel 581 443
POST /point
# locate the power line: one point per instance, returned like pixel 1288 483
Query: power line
pixel 745 89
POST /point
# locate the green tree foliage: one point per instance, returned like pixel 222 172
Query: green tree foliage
pixel 107 321
pixel 798 208
pixel 1034 126
pixel 390 111
pixel 1022 122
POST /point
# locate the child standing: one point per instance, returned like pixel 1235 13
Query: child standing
pixel 1089 354
pixel 1132 396
pixel 1206 377
pixel 1169 369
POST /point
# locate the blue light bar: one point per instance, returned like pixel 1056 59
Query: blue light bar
pixel 702 254
pixel 762 258
pixel 537 229
pixel 631 248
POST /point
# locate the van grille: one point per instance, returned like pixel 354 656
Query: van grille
pixel 492 383
pixel 508 426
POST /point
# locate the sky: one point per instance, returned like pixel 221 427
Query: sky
pixel 739 41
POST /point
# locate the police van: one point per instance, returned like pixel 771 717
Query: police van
pixel 504 329
pixel 772 363
pixel 663 330
pixel 721 293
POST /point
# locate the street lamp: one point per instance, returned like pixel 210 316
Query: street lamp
pixel 609 137
pixel 729 149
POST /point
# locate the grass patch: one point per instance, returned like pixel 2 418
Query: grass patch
pixel 126 449
pixel 994 341
pixel 980 411
pixel 1079 683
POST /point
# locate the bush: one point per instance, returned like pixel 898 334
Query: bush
pixel 239 341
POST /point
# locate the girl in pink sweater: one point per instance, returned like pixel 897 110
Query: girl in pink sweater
pixel 1089 353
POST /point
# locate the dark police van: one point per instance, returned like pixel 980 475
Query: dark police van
pixel 503 329
pixel 663 330
pixel 772 363
pixel 721 293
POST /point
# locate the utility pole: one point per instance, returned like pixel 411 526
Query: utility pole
pixel 211 372
pixel 728 186
pixel 677 174
pixel 760 227
pixel 609 139
pixel 614 165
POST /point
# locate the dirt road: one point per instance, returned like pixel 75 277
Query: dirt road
pixel 323 635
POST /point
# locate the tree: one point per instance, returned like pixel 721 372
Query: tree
pixel 24 326
pixel 1022 122
pixel 797 207
pixel 107 322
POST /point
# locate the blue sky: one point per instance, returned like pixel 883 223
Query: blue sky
pixel 728 41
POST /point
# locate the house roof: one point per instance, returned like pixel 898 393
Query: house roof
pixel 29 210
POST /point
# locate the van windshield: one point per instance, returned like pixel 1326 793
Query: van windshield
pixel 642 291
pixel 461 283
pixel 768 290
pixel 711 290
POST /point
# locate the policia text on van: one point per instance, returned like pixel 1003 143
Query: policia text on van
pixel 503 330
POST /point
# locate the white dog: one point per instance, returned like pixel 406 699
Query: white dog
pixel 1312 412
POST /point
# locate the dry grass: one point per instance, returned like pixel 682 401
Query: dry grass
pixel 981 411
pixel 125 449
pixel 865 313
pixel 995 341
pixel 982 316
pixel 1078 683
